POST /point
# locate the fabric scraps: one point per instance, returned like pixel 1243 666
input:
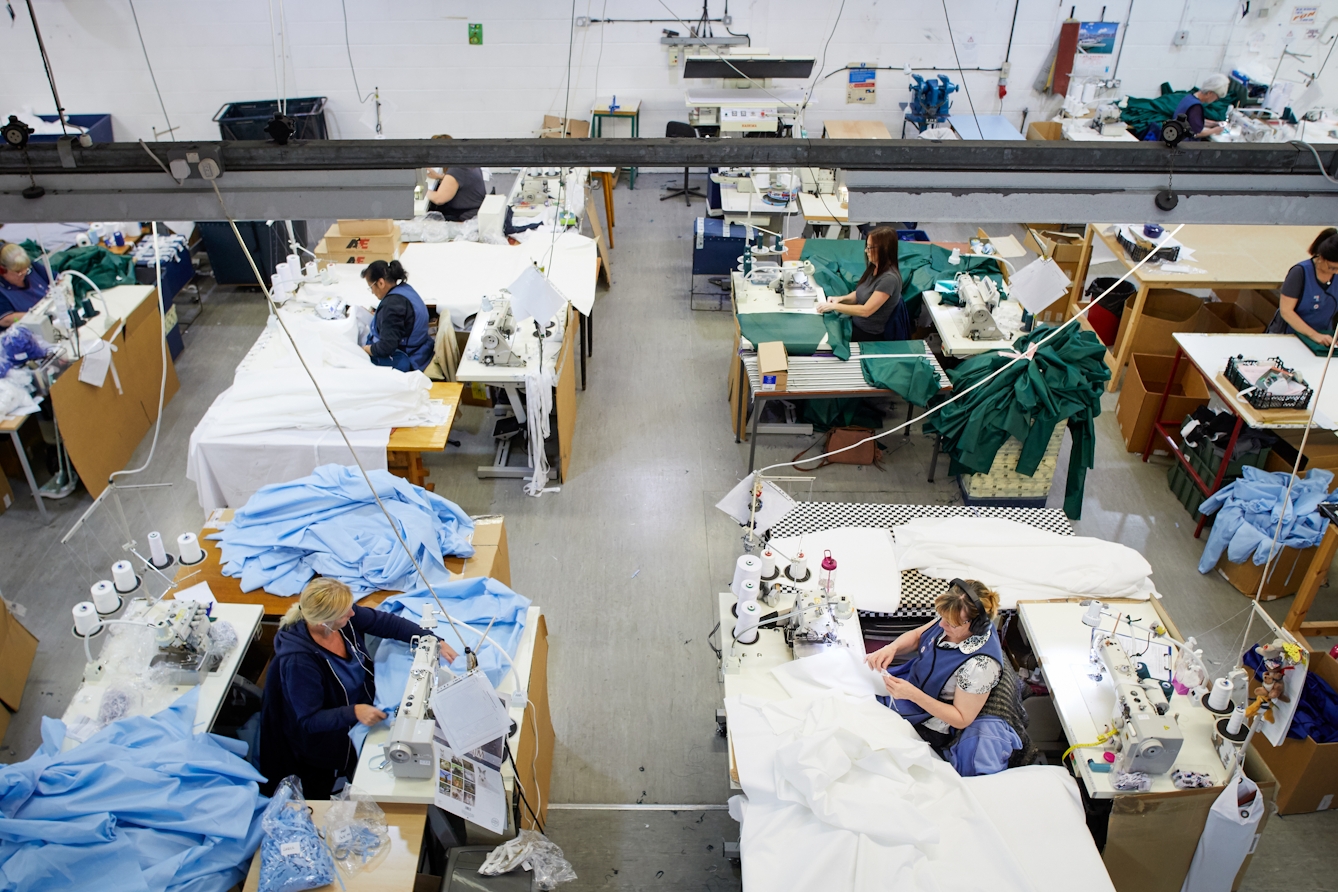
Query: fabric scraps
pixel 1248 511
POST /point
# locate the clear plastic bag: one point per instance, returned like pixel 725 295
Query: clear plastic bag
pixel 355 831
pixel 533 851
pixel 293 857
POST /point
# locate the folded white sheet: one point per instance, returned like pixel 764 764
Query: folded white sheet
pixel 1021 562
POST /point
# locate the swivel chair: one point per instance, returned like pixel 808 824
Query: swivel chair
pixel 677 129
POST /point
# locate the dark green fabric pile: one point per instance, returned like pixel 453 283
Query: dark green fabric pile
pixel 1143 113
pixel 1065 380
pixel 839 263
pixel 800 332
pixel 1315 346
pixel 839 329
pixel 914 380
pixel 102 266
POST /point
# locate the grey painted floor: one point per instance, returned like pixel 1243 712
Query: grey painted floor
pixel 626 559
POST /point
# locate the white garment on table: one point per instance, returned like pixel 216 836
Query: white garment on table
pixel 1228 836
pixel 1021 562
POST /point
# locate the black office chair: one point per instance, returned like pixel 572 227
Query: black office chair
pixel 677 129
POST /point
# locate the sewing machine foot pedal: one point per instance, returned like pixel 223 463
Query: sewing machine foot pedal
pixel 731 850
pixel 721 723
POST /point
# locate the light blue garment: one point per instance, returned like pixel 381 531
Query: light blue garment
pixel 472 604
pixel 329 524
pixel 143 805
pixel 1248 510
pixel 984 747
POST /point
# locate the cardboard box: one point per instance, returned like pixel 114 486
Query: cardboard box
pixel 1136 408
pixel 1229 318
pixel 325 252
pixel 1262 305
pixel 773 365
pixel 1165 312
pixel 1045 130
pixel 490 558
pixel 365 227
pixel 553 128
pixel 18 648
pixel 1321 451
pixel 1284 577
pixel 343 242
pixel 1047 239
pixel 1307 771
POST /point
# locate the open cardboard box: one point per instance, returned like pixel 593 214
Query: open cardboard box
pixel 1307 771
pixel 1141 395
pixel 18 648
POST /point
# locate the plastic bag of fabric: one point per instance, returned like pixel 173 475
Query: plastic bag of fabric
pixel 21 344
pixel 356 832
pixel 293 857
pixel 532 851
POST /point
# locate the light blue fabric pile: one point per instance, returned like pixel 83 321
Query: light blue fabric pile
pixel 329 524
pixel 1248 510
pixel 472 604
pixel 144 805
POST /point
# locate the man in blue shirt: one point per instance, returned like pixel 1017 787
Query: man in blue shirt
pixel 21 284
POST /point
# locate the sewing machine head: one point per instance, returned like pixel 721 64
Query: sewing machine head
pixel 184 644
pixel 409 749
pixel 978 297
pixel 1149 738
pixel 796 285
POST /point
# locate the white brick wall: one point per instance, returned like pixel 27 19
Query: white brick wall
pixel 207 52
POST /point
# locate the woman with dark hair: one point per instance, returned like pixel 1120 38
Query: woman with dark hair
pixel 399 337
pixel 1309 299
pixel 877 295
pixel 459 191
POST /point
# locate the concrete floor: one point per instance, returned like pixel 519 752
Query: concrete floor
pixel 626 558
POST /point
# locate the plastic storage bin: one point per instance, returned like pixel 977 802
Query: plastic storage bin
pixel 247 120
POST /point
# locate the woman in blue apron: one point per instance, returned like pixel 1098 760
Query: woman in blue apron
pixel 22 284
pixel 957 663
pixel 1309 298
pixel 400 337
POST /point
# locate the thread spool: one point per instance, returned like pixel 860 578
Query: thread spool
pixel 769 571
pixel 1237 720
pixel 158 555
pixel 294 266
pixel 86 622
pixel 748 591
pixel 188 546
pixel 746 568
pixel 124 578
pixel 798 569
pixel 1219 698
pixel 105 598
pixel 745 627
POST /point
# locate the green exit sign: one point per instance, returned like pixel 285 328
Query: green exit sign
pixel 475 34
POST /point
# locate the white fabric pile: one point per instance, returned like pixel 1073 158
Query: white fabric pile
pixel 842 794
pixel 1021 562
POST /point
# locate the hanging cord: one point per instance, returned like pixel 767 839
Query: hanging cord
pixel 960 72
pixel 339 427
pixel 934 410
pixel 171 131
pixel 349 48
pixel 46 63
pixel 1324 173
pixel 823 63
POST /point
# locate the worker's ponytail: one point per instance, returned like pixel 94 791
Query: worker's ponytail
pixel 391 272
pixel 292 617
pixel 323 600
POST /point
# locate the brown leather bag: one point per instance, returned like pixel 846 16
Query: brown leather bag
pixel 841 437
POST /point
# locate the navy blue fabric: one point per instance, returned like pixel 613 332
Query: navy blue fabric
pixel 1192 108
pixel 898 326
pixel 399 361
pixel 930 669
pixel 983 747
pixel 1316 304
pixel 307 711
pixel 19 300
pixel 417 343
pixel 1317 709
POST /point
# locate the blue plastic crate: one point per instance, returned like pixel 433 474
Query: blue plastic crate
pixel 99 127
pixel 912 235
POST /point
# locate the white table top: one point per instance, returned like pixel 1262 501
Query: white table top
pixel 995 127
pixel 737 203
pixel 773 97
pixel 470 369
pixel 750 298
pixel 1080 130
pixel 823 209
pixel 949 323
pixel 383 786
pixel 1210 352
pixel 1062 645
pixel 245 618
pixel 756 661
pixel 625 106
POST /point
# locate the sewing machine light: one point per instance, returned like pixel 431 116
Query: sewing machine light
pixel 827 578
pixel 956 257
pixel 1093 615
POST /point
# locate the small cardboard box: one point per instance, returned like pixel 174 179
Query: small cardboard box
pixel 1166 312
pixel 490 554
pixel 773 365
pixel 1259 304
pixel 1136 408
pixel 552 128
pixel 1045 130
pixel 366 227
pixel 343 242
pixel 325 252
pixel 18 648
pixel 1307 771
pixel 1229 318
pixel 1062 247
pixel 1321 451
pixel 6 493
pixel 1284 578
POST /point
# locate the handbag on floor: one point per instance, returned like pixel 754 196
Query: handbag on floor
pixel 839 438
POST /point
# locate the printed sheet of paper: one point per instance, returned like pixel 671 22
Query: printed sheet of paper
pixel 470 784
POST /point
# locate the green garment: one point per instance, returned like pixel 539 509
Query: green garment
pixel 800 332
pixel 838 265
pixel 1065 380
pixel 102 266
pixel 34 250
pixel 839 328
pixel 826 414
pixel 1144 113
pixel 914 380
pixel 1315 346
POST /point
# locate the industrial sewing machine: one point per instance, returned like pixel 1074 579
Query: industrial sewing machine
pixel 1149 739
pixel 184 644
pixel 796 286
pixel 979 296
pixel 499 328
pixel 930 103
pixel 815 621
pixel 1106 119
pixel 409 748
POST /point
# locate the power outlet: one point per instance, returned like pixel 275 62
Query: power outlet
pixel 189 162
pixel 475 34
pixel 1181 38
pixel 583 21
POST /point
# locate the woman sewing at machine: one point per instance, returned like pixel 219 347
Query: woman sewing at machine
pixel 877 296
pixel 320 684
pixel 459 192
pixel 1309 300
pixel 21 284
pixel 954 689
pixel 400 337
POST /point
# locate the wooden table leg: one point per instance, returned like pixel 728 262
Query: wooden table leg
pixel 606 183
pixel 1126 346
pixel 409 465
pixel 1314 577
pixel 1080 274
